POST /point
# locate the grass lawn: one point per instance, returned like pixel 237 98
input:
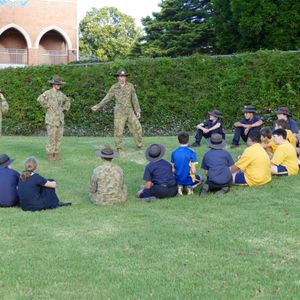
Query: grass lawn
pixel 244 245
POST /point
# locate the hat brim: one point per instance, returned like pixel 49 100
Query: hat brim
pixel 211 113
pixel 57 83
pixel 283 113
pixel 154 159
pixel 7 163
pixel 100 154
pixel 216 146
pixel 249 111
pixel 117 75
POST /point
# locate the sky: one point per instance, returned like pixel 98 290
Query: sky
pixel 134 8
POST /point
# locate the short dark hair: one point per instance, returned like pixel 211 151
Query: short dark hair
pixel 183 137
pixel 282 124
pixel 280 132
pixel 266 132
pixel 254 135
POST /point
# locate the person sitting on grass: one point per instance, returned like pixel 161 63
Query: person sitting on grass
pixel 184 164
pixel 217 162
pixel 160 181
pixel 284 160
pixel 284 114
pixel 267 141
pixel 107 185
pixel 290 137
pixel 35 192
pixel 8 182
pixel 243 127
pixel 253 167
pixel 212 125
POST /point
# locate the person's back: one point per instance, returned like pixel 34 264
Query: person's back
pixel 8 183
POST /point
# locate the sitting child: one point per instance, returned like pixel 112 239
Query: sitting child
pixel 36 192
pixel 184 162
pixel 8 182
pixel 290 136
pixel 284 160
pixel 208 127
pixel 267 141
pixel 160 181
pixel 107 181
pixel 217 162
pixel 253 167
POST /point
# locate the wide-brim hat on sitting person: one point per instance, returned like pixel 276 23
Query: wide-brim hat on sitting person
pixel 106 152
pixel 5 160
pixel 249 109
pixel 56 80
pixel 216 141
pixel 155 152
pixel 121 73
pixel 283 110
pixel 216 113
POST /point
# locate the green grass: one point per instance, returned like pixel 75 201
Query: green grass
pixel 244 245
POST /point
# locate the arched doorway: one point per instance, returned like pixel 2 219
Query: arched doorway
pixel 13 47
pixel 53 48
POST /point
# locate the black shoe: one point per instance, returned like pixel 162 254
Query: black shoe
pixel 195 144
pixel 64 203
pixel 204 190
pixel 223 190
pixel 234 146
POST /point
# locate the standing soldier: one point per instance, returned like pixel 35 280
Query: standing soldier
pixel 127 109
pixel 55 103
pixel 3 109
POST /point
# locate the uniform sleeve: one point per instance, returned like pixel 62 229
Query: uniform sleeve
pixel 93 184
pixel 43 100
pixel 244 161
pixel 203 164
pixel 278 157
pixel 66 103
pixel 194 158
pixel 293 126
pixel 3 104
pixel 107 98
pixel 230 160
pixel 134 100
pixel 40 180
pixel 147 174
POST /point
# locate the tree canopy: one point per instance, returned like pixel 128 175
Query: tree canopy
pixel 107 33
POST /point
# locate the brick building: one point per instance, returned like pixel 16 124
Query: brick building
pixel 38 32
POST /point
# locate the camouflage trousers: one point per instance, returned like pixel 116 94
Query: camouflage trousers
pixel 134 125
pixel 99 199
pixel 55 134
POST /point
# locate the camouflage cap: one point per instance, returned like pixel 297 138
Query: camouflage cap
pixel 106 152
pixel 56 80
pixel 121 73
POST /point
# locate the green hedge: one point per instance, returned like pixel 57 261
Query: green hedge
pixel 174 94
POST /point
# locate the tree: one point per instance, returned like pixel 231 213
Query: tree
pixel 182 27
pixel 243 25
pixel 107 34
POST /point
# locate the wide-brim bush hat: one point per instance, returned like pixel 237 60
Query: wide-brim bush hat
pixel 5 160
pixel 56 80
pixel 155 152
pixel 216 113
pixel 249 109
pixel 121 73
pixel 216 141
pixel 283 110
pixel 106 152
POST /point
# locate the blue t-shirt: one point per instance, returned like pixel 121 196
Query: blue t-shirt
pixel 181 158
pixel 252 121
pixel 8 187
pixel 30 192
pixel 159 173
pixel 292 125
pixel 217 163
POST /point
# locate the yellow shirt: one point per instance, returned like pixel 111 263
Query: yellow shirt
pixel 256 165
pixel 291 137
pixel 285 155
pixel 269 146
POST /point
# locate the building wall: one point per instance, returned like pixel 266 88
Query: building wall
pixel 37 17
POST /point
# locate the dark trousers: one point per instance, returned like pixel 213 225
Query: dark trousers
pixel 239 132
pixel 200 134
pixel 50 199
pixel 213 187
pixel 159 191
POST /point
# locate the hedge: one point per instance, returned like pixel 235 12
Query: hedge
pixel 174 94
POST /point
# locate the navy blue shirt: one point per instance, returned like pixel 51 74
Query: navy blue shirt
pixel 8 187
pixel 292 125
pixel 252 121
pixel 209 124
pixel 217 163
pixel 30 192
pixel 159 173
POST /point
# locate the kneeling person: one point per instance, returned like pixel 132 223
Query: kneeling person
pixel 160 181
pixel 284 160
pixel 107 185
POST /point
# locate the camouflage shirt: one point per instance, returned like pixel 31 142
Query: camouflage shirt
pixel 126 98
pixel 107 184
pixel 3 105
pixel 54 103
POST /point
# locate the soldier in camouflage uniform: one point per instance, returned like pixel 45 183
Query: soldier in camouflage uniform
pixel 107 185
pixel 127 109
pixel 55 103
pixel 3 109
